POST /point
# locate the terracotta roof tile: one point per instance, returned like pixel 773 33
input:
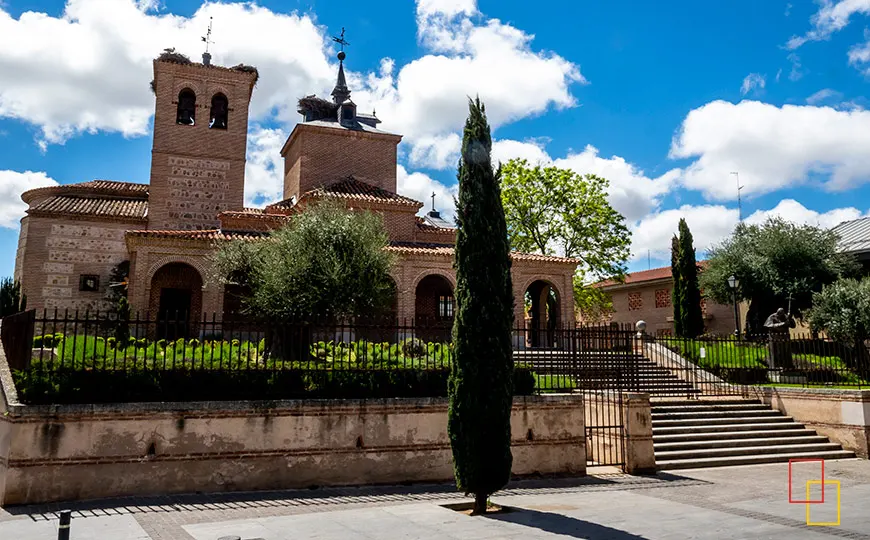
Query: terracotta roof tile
pixel 642 276
pixel 92 206
pixel 446 250
pixel 114 185
pixel 108 188
pixel 207 234
pixel 351 188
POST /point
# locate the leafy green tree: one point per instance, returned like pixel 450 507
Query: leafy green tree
pixel 842 311
pixel 686 294
pixel 778 263
pixel 480 387
pixel 593 305
pixel 327 262
pixel 12 301
pixel 556 211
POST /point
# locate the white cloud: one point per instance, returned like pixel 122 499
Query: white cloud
pixel 532 151
pixel 12 185
pixel 264 169
pixel 710 224
pixel 420 187
pixel 859 56
pixel 772 147
pixel 88 70
pixel 791 210
pixel 427 100
pixel 797 72
pixel 831 17
pixel 823 95
pixel 632 193
pixel 753 81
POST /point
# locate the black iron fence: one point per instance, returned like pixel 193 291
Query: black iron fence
pixel 716 365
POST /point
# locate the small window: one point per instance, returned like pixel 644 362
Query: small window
pixel 219 112
pixel 663 298
pixel 635 301
pixel 347 113
pixel 445 307
pixel 89 283
pixel 186 108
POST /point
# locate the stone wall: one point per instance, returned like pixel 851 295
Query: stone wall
pixel 841 415
pixel 59 251
pixel 56 453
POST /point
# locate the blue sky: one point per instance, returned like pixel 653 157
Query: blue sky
pixel 664 99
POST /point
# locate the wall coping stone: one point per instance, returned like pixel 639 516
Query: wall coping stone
pixel 841 393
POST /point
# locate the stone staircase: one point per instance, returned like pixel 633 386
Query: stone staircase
pixel 694 433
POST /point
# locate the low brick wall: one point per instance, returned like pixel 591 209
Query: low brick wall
pixel 841 415
pixel 73 452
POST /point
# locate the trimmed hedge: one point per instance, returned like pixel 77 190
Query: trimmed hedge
pixel 93 386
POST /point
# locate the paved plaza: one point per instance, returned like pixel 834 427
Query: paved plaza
pixel 727 503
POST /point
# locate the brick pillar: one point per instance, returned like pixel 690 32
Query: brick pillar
pixel 637 421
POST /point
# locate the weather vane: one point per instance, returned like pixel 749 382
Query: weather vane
pixel 340 39
pixel 207 37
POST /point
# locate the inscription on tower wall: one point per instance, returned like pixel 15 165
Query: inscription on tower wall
pixel 198 192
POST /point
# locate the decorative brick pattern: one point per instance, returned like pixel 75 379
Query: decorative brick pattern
pixel 663 298
pixel 635 301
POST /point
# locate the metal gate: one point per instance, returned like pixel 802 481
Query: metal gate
pixel 601 363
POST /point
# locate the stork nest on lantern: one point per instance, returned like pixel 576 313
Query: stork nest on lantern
pixel 316 108
pixel 169 55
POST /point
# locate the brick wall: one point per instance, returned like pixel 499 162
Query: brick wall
pixel 59 251
pixel 197 172
pixel 316 155
pixel 656 312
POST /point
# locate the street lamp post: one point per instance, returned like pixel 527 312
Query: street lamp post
pixel 733 283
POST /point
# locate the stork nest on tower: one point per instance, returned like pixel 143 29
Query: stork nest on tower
pixel 247 69
pixel 316 108
pixel 169 55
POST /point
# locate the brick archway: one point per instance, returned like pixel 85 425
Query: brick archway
pixel 175 298
pixel 434 307
pixel 544 306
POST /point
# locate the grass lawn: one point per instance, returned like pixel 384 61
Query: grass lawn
pixel 725 354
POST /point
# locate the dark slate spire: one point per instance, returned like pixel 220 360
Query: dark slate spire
pixel 341 92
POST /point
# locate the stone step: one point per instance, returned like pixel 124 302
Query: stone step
pixel 715 436
pixel 704 402
pixel 736 442
pixel 698 453
pixel 692 408
pixel 674 430
pixel 689 415
pixel 722 421
pixel 726 461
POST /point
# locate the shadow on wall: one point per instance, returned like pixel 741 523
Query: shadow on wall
pixel 563 525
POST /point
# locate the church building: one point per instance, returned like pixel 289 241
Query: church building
pixel 75 237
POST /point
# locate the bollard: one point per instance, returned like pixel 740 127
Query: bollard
pixel 63 526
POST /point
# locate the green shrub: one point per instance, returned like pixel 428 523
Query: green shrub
pixel 194 343
pixel 37 342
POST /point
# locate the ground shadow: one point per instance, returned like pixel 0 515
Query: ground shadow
pixel 381 494
pixel 563 525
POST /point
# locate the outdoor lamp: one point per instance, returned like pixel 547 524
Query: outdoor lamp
pixel 733 282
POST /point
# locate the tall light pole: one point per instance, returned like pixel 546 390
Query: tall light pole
pixel 739 208
pixel 733 284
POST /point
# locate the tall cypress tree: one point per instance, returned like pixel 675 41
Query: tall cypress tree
pixel 480 387
pixel 693 319
pixel 677 291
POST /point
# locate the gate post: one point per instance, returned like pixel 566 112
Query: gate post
pixel 637 421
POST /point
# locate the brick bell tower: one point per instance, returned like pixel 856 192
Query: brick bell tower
pixel 200 140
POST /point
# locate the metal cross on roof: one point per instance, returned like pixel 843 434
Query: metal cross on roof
pixel 340 39
pixel 207 37
pixel 433 201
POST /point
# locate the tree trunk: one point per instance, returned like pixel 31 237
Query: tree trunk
pixel 479 504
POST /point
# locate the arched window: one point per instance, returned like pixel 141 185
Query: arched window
pixel 219 112
pixel 186 108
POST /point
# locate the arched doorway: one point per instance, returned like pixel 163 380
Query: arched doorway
pixel 176 299
pixel 434 308
pixel 542 306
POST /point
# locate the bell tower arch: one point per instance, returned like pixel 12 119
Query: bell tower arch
pixel 200 141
